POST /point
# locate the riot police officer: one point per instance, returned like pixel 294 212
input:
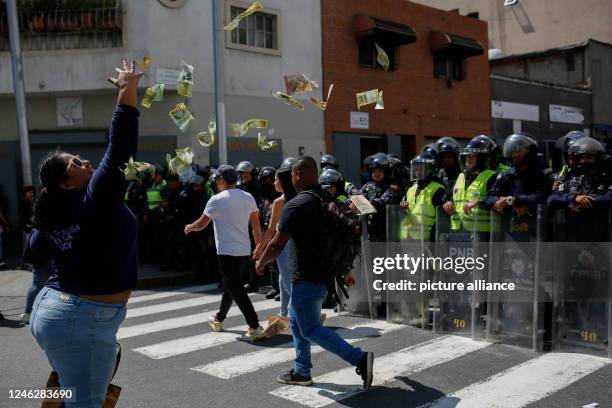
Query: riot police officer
pixel 398 173
pixel 470 190
pixel 380 193
pixel 422 199
pixel 288 163
pixel 569 161
pixel 329 162
pixel 247 180
pixel 333 181
pixel 448 161
pixel 517 191
pixel 587 193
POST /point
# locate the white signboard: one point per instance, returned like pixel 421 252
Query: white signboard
pixel 511 110
pixel 360 120
pixel 69 111
pixel 566 114
pixel 166 76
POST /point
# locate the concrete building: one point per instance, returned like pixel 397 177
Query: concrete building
pixel 551 92
pixel 534 25
pixel 437 83
pixel 68 55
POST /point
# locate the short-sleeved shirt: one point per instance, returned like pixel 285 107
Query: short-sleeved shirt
pixel 230 211
pixel 302 217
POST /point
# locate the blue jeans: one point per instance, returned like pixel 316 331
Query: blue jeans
pixel 40 275
pixel 79 338
pixel 304 316
pixel 287 264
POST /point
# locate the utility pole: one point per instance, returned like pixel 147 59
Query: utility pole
pixel 219 46
pixel 20 102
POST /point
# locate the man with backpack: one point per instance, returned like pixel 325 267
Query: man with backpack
pixel 303 220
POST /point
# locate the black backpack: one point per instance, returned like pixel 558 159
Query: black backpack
pixel 341 238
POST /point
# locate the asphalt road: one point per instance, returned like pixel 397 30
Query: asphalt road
pixel 171 359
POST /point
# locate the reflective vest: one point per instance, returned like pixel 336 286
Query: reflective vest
pixel 154 198
pixel 480 219
pixel 564 171
pixel 502 167
pixel 421 213
pixel 209 189
pixel 348 186
pixel 342 198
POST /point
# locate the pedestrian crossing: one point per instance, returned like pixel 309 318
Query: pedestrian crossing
pixel 511 387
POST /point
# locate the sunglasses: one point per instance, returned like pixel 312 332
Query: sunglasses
pixel 74 162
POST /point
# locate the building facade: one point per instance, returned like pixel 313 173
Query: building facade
pixel 534 25
pixel 69 53
pixel 551 92
pixel 437 83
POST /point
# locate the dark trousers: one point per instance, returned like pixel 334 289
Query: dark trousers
pixel 231 269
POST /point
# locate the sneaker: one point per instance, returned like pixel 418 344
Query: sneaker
pixel 253 334
pixel 214 324
pixel 2 263
pixel 25 318
pixel 322 319
pixel 277 298
pixel 271 294
pixel 294 379
pixel 365 368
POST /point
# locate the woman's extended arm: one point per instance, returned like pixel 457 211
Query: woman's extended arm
pixel 108 186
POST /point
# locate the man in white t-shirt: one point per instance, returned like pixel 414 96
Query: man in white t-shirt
pixel 231 211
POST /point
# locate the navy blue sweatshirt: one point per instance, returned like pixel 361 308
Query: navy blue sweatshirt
pixel 97 253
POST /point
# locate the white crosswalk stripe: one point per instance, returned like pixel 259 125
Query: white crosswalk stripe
pixel 341 384
pixel 514 387
pixel 257 360
pixel 190 344
pixel 189 320
pixel 171 306
pixel 166 294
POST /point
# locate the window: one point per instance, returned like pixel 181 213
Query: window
pixel 474 14
pixel 259 30
pixel 447 65
pixel 368 53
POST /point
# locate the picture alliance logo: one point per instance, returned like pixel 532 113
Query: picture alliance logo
pixel 458 261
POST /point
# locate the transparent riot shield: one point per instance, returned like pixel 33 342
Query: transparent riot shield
pixel 362 299
pixel 456 308
pixel 515 257
pixel 581 257
pixel 408 237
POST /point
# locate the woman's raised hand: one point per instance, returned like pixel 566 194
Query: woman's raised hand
pixel 127 82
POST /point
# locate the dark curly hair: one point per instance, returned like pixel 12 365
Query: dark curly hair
pixel 51 209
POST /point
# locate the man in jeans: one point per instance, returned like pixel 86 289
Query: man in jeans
pixel 231 211
pixel 301 220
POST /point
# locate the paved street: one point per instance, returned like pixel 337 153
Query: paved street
pixel 171 359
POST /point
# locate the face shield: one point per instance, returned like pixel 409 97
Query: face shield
pixel 421 169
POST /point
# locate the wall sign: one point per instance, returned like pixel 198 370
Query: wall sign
pixel 360 120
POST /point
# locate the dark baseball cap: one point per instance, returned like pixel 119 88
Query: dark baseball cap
pixel 228 173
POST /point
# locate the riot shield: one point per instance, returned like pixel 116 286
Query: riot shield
pixel 515 257
pixel 458 311
pixel 362 299
pixel 582 260
pixel 408 237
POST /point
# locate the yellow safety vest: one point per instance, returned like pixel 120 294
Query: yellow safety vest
pixel 421 213
pixel 342 198
pixel 480 219
pixel 154 198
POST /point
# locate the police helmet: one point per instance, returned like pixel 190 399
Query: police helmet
pixel 396 168
pixel 267 171
pixel 330 177
pixel 518 142
pixel 430 149
pixel 288 163
pixel 379 161
pixel 567 141
pixel 447 145
pixel 366 162
pixel 586 145
pixel 423 167
pixel 328 161
pixel 245 167
pixel 481 147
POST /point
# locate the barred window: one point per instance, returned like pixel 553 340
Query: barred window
pixel 258 30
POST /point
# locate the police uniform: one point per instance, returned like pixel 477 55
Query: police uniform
pixel 380 194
